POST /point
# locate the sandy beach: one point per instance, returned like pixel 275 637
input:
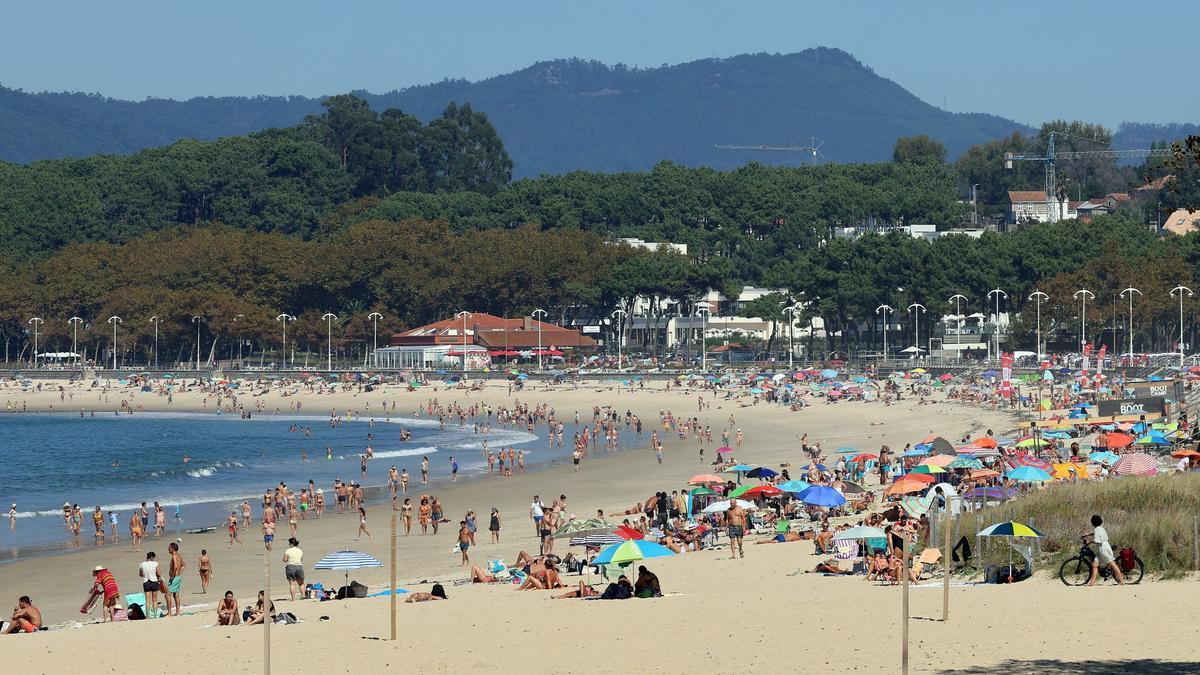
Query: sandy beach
pixel 721 614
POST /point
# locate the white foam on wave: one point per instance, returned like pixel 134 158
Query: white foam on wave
pixel 409 452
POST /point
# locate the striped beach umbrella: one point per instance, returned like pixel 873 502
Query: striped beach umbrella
pixel 1010 529
pixel 1136 464
pixel 344 561
pixel 596 540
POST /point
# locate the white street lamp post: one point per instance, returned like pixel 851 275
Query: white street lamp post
pixel 329 317
pixel 1039 297
pixel 619 315
pixel 36 321
pixel 957 298
pixel 915 310
pixel 464 315
pixel 114 320
pixel 375 317
pixel 1182 289
pixel 75 321
pixel 534 314
pixel 285 318
pixel 791 310
pixel 996 324
pixel 1083 294
pixel 155 320
pixel 1131 291
pixel 239 337
pixel 197 320
pixel 704 312
pixel 884 309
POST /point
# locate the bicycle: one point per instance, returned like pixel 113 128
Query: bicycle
pixel 1077 571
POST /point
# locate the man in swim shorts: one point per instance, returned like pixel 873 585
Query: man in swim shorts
pixel 175 580
pixel 736 517
pixel 25 618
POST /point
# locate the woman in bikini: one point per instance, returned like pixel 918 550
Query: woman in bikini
pixel 406 515
pixel 362 523
pixel 205 568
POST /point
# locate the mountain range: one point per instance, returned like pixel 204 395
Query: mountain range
pixel 565 115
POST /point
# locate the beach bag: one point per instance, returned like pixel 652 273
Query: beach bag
pixel 135 612
pixel 357 590
pixel 1126 556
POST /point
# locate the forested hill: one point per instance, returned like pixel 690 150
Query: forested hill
pixel 560 116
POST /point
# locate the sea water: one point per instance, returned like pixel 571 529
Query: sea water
pixel 119 461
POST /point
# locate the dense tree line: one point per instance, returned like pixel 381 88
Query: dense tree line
pixel 283 180
pixel 417 271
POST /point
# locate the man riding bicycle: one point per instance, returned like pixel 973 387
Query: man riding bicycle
pixel 1104 553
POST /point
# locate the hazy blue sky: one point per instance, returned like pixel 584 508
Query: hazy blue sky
pixel 1030 61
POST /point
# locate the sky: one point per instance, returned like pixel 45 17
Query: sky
pixel 1100 61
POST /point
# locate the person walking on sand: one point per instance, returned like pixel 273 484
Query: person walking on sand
pixel 735 517
pixel 494 525
pixel 362 524
pixel 135 532
pixel 293 561
pixel 423 512
pixel 174 578
pixel 406 510
pixel 404 482
pixel 204 566
pixel 232 523
pixel 536 513
pixel 464 542
pixel 424 470
pixel 148 571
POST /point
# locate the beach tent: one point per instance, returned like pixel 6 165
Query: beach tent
pixel 941 446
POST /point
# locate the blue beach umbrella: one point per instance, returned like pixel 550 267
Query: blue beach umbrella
pixel 829 373
pixel 761 472
pixel 820 467
pixel 793 486
pixel 1028 474
pixel 822 495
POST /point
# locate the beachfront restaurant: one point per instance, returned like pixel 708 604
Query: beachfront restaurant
pixel 483 339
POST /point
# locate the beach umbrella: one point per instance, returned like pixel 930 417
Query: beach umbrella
pixel 927 479
pixel 1103 457
pixel 860 532
pixel 1010 529
pixel 763 491
pixel 916 506
pixel 829 373
pixel 928 469
pixel 821 495
pixel 344 561
pixel 904 486
pixel 847 451
pixel 938 460
pixel 629 551
pixel 849 488
pixel 1185 452
pixel 721 506
pixel 945 377
pixel 596 540
pixel 918 451
pixel 1028 474
pixel 1031 441
pixel 740 468
pixel 1136 464
pixel 761 472
pixel 996 494
pixel 793 486
pixel 724 450
pixel 705 479
pixel 984 442
pixel 702 491
pixel 1153 438
pixel 864 457
pixel 919 371
pixel 808 467
pixel 1030 460
pixel 983 474
pixel 583 528
pixel 965 463
pixel 626 532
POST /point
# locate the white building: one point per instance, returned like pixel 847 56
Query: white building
pixel 654 246
pixel 1027 206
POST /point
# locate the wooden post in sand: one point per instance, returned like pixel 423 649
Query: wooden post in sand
pixel 392 599
pixel 946 562
pixel 267 612
pixel 1196 542
pixel 904 572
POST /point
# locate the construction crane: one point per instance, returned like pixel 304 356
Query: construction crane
pixel 1052 191
pixel 813 148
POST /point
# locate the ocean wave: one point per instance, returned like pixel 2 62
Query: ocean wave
pixel 125 509
pixel 408 452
